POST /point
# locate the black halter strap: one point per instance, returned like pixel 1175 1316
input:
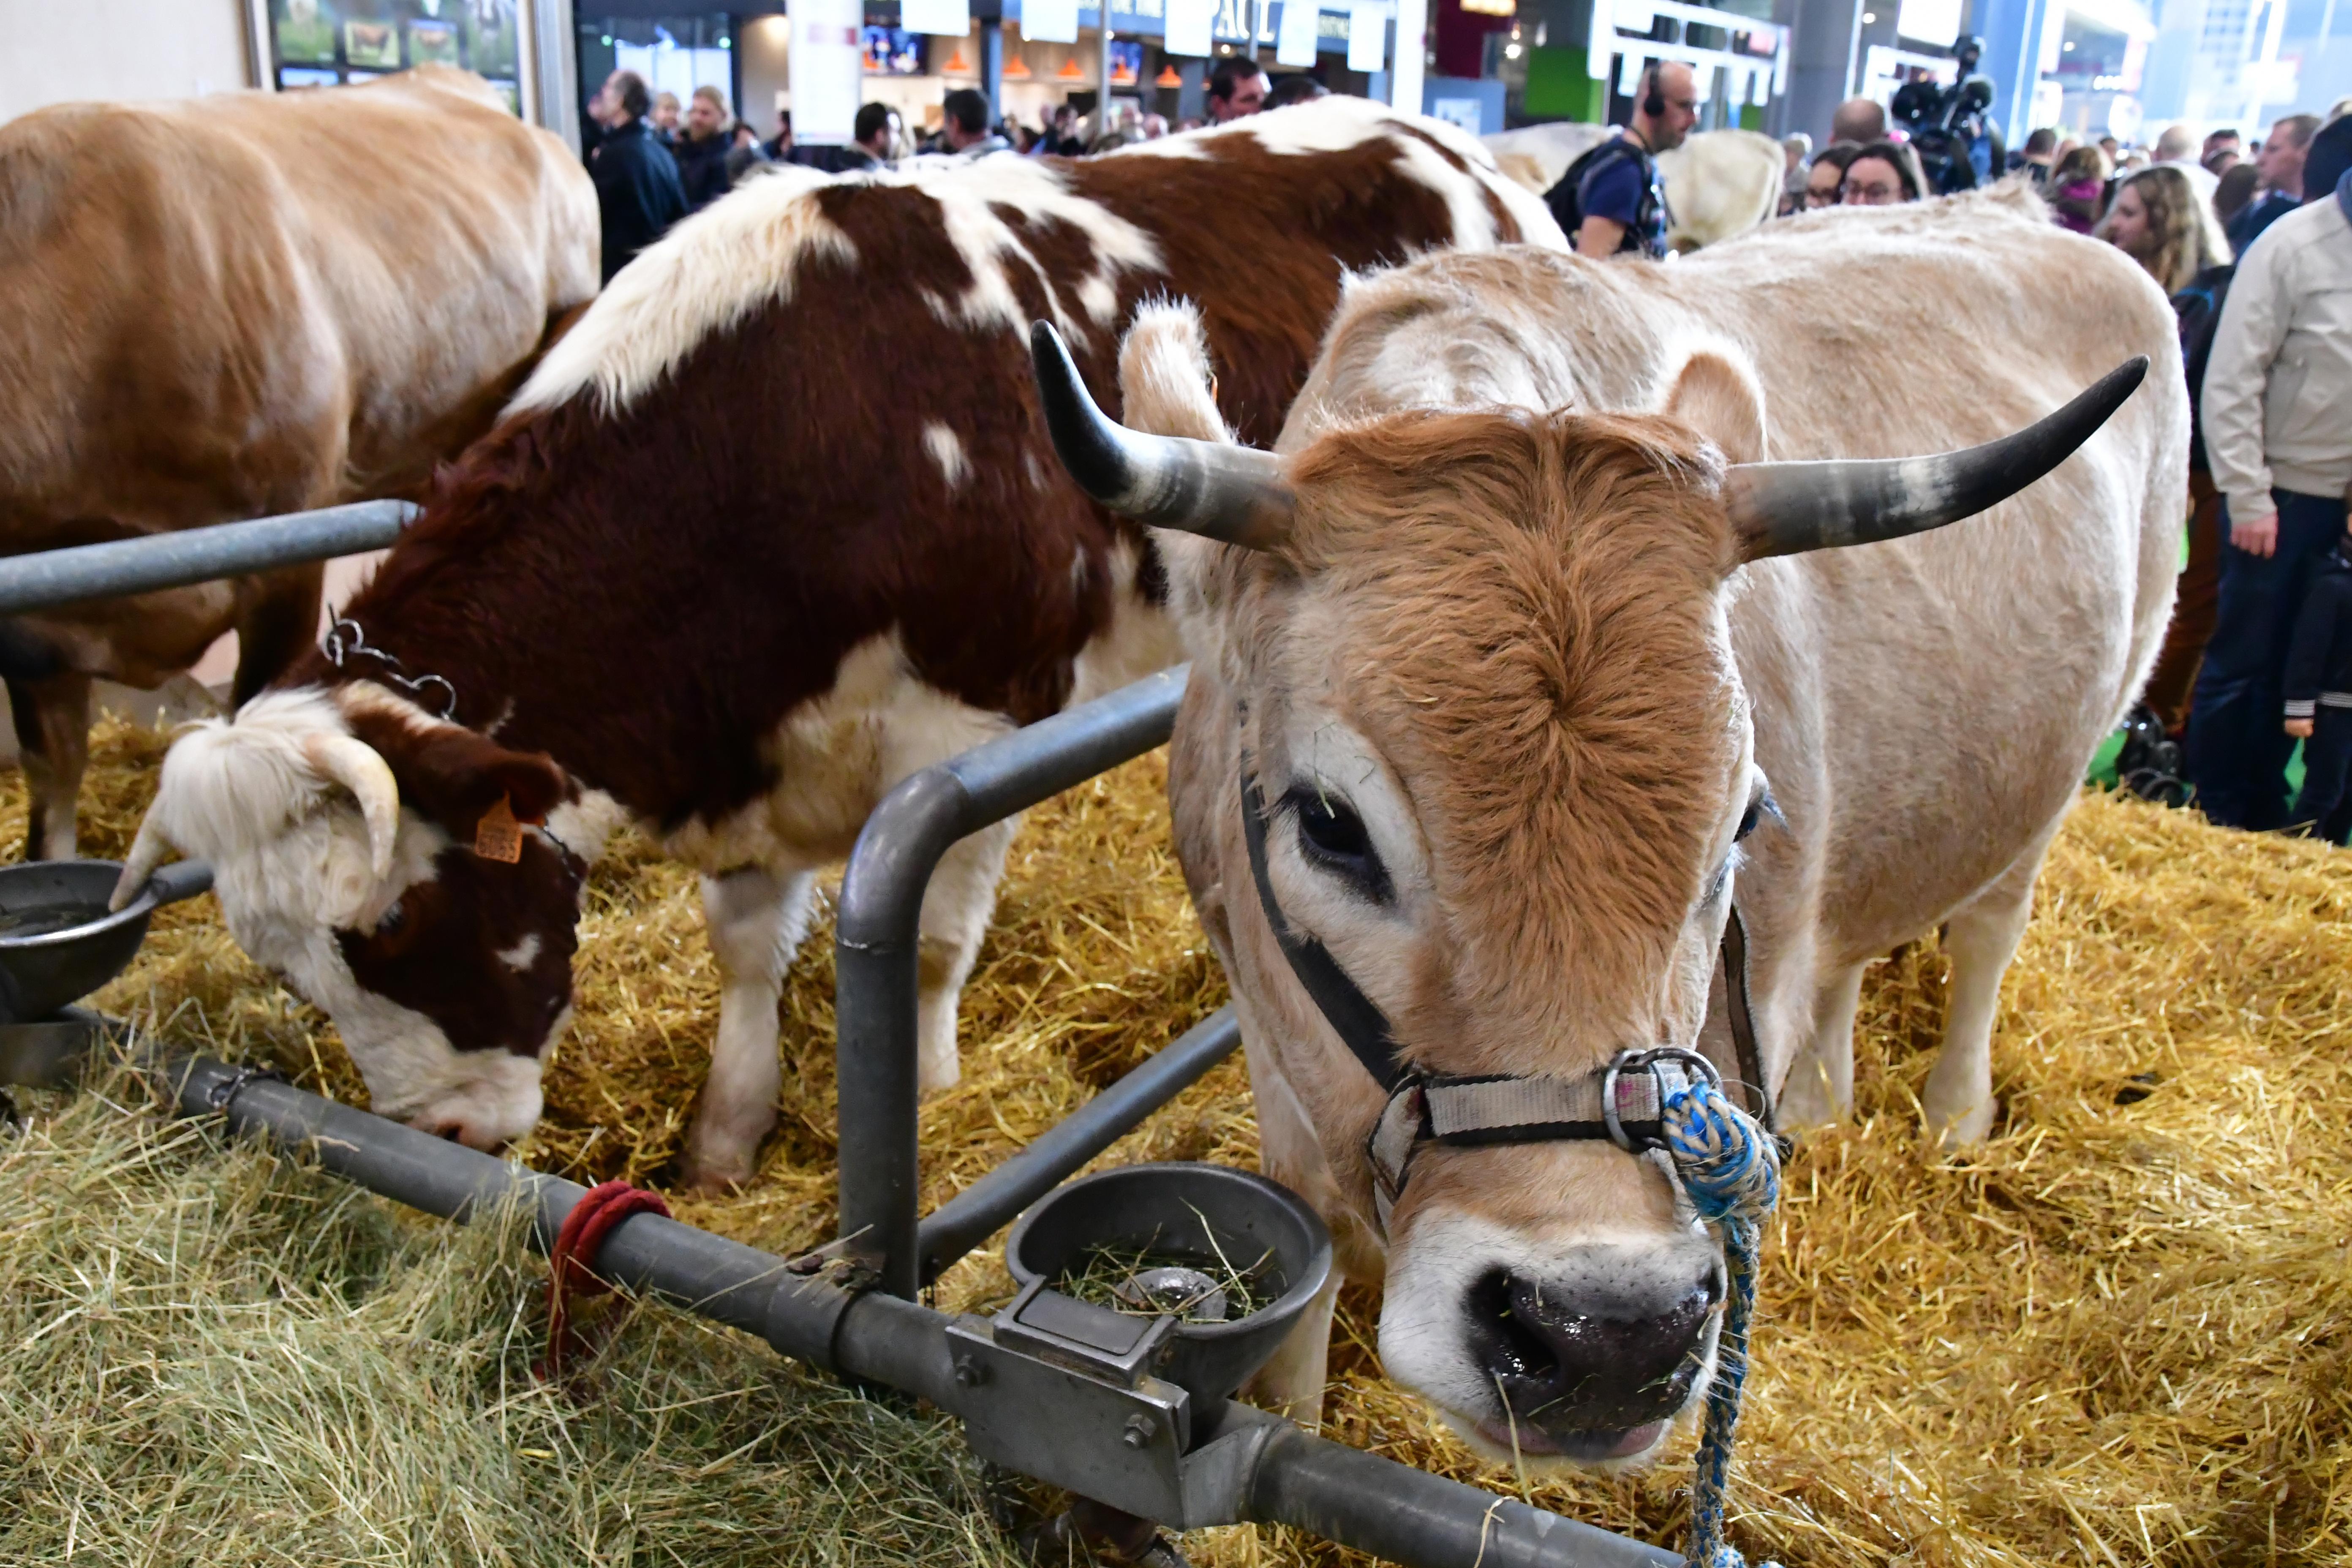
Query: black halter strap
pixel 1623 1103
pixel 1738 1015
pixel 1358 1020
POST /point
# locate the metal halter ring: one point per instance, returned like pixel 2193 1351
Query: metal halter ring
pixel 1644 1061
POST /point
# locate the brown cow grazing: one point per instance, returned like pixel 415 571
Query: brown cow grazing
pixel 777 525
pixel 246 304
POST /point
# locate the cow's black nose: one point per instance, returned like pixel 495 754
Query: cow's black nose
pixel 1570 1370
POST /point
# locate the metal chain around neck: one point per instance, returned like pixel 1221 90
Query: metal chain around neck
pixel 344 640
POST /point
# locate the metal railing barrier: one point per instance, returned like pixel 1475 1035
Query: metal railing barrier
pixel 54 577
pixel 1199 1462
pixel 875 950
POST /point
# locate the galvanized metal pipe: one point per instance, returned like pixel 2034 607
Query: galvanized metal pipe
pixel 120 566
pixel 1406 1515
pixel 1247 1465
pixel 879 929
pixel 707 1275
pixel 997 1198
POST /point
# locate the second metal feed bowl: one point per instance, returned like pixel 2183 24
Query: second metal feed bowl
pixel 58 940
pixel 1173 1209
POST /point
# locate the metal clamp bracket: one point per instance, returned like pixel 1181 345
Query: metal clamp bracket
pixel 1063 1391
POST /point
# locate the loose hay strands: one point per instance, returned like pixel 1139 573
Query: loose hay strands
pixel 2117 1333
pixel 1109 1275
pixel 215 1357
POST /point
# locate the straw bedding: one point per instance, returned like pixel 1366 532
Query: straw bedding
pixel 2117 1333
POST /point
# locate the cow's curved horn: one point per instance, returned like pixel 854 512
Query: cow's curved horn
pixel 1236 494
pixel 1781 509
pixel 147 852
pixel 356 765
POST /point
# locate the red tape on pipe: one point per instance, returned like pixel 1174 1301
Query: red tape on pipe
pixel 571 1277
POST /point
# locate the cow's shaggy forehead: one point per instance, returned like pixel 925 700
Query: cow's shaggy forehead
pixel 1526 613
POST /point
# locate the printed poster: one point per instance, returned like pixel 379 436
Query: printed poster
pixel 1191 26
pixel 1295 44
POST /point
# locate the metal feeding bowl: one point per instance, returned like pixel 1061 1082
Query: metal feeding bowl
pixel 59 942
pixel 1233 1257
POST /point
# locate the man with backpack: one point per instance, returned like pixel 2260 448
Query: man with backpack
pixel 1609 201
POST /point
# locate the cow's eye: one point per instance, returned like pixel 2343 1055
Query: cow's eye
pixel 1332 835
pixel 1761 806
pixel 1748 822
pixel 394 916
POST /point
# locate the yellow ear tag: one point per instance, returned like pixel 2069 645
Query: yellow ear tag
pixel 500 836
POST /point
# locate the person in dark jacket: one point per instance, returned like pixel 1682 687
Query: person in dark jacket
pixel 964 128
pixel 743 153
pixel 873 137
pixel 2284 152
pixel 2318 693
pixel 1609 201
pixel 701 151
pixel 2327 159
pixel 637 193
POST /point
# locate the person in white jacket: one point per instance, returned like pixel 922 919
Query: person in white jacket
pixel 2278 430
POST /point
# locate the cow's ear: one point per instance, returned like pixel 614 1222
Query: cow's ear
pixel 1718 396
pixel 452 774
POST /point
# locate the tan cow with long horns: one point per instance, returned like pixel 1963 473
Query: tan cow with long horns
pixel 1493 658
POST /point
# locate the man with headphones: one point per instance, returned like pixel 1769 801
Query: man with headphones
pixel 1609 201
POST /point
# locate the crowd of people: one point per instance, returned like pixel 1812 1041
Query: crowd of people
pixel 2251 241
pixel 655 160
pixel 2255 254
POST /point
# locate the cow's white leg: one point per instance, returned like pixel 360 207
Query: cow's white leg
pixel 1291 1382
pixel 1819 1091
pixel 756 918
pixel 956 907
pixel 1981 937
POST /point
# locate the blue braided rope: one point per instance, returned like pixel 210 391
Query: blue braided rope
pixel 1731 1169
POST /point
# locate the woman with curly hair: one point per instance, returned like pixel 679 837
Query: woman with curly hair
pixel 2159 221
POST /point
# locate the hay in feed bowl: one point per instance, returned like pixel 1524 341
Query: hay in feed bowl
pixel 2116 1333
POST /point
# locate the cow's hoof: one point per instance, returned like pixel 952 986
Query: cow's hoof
pixel 938 1068
pixel 1962 1129
pixel 715 1173
pixel 1806 1100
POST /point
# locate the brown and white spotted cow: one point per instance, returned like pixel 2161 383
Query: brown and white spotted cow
pixel 246 304
pixel 778 524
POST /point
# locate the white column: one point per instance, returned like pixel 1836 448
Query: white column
pixel 826 69
pixel 1411 48
pixel 1102 101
